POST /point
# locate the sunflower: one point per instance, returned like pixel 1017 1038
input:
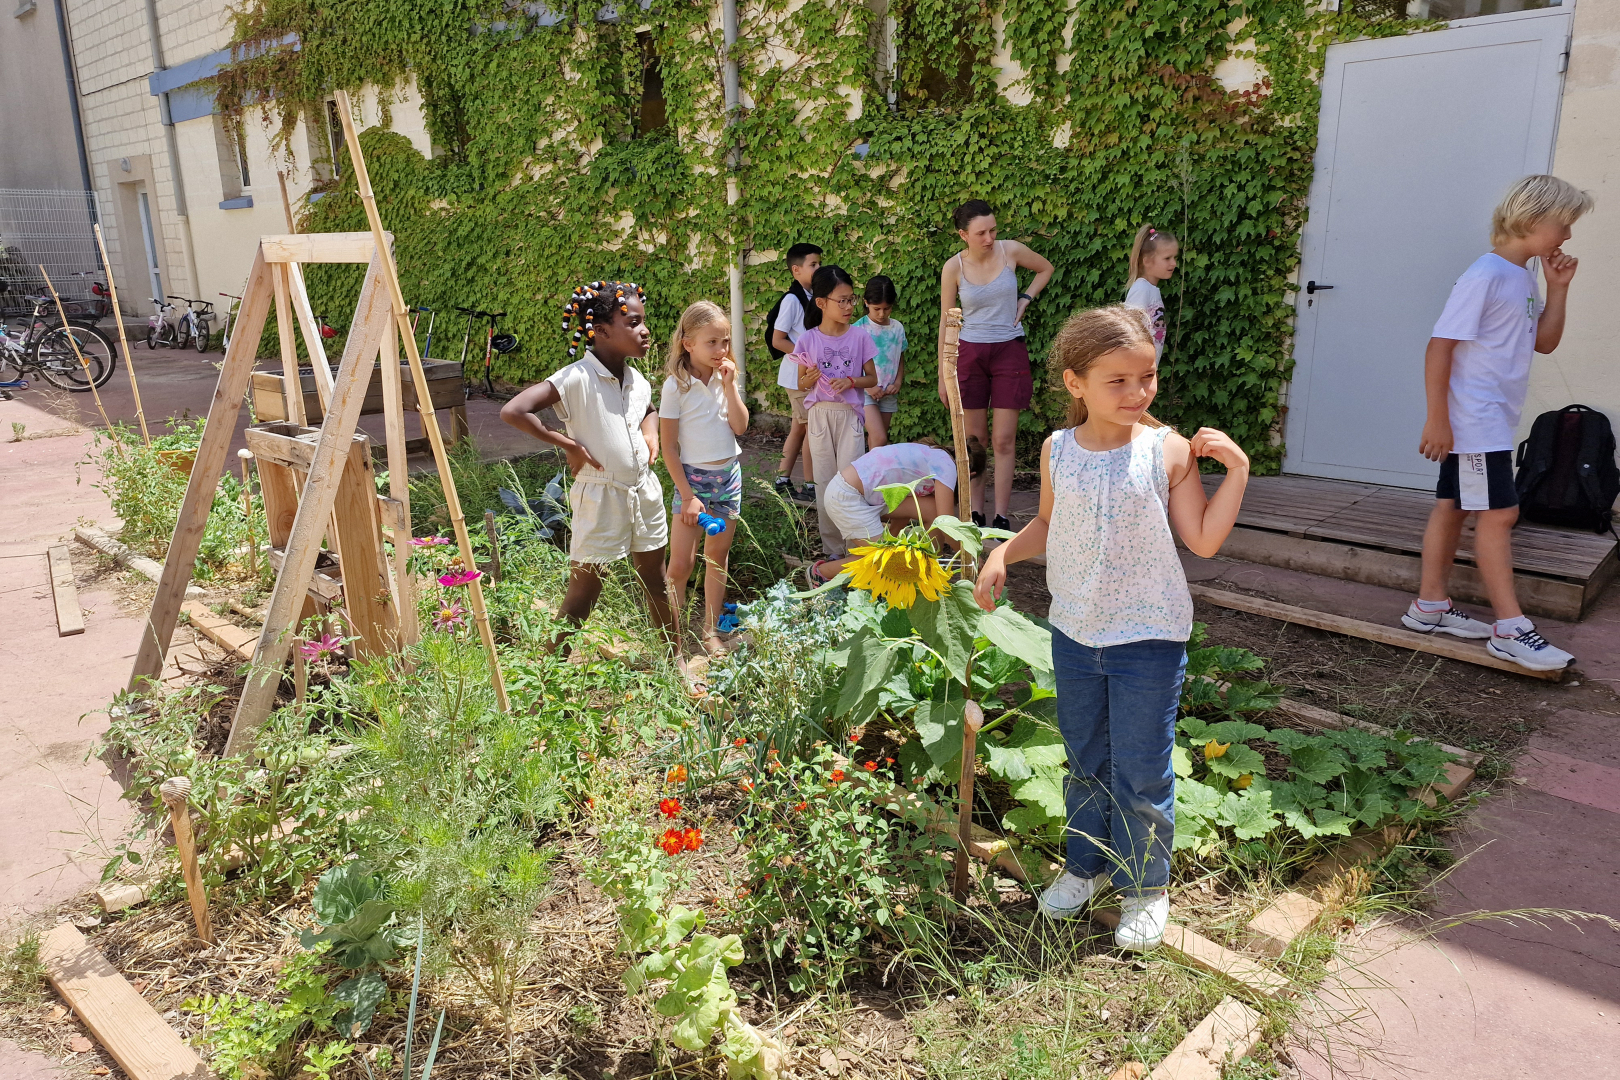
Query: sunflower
pixel 896 569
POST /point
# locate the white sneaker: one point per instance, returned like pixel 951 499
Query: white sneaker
pixel 1069 893
pixel 1141 921
pixel 1451 621
pixel 1529 650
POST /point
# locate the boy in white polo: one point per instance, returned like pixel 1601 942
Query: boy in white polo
pixel 1476 373
pixel 611 440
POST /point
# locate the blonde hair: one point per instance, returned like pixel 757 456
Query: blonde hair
pixel 678 365
pixel 1533 198
pixel 1148 240
pixel 1088 335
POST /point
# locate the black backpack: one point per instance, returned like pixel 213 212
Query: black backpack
pixel 770 320
pixel 1566 470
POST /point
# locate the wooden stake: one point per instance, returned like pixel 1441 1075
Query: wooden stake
pixel 246 455
pixel 68 330
pixel 176 791
pixel 313 342
pixel 398 514
pixel 286 203
pixel 494 546
pixel 424 400
pixel 123 338
pixel 953 395
pixel 300 672
pixel 972 721
pixel 292 383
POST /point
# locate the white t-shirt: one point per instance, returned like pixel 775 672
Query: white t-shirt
pixel 789 320
pixel 705 431
pixel 904 463
pixel 605 415
pixel 1145 297
pixel 1492 315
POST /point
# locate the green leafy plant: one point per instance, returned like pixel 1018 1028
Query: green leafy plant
pixel 350 903
pixel 251 1038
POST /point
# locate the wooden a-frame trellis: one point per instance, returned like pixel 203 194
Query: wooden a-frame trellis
pixel 380 325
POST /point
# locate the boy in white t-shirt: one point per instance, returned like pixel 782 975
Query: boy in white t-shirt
pixel 1476 373
pixel 786 330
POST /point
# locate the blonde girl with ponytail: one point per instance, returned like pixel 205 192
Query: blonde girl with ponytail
pixel 1117 487
pixel 1153 260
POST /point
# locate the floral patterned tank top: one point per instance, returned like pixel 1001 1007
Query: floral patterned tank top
pixel 1111 561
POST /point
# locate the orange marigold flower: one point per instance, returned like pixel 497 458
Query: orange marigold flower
pixel 870 766
pixel 836 776
pixel 854 736
pixel 691 839
pixel 677 775
pixel 669 807
pixel 890 760
pixel 747 785
pixel 739 741
pixel 802 807
pixel 671 841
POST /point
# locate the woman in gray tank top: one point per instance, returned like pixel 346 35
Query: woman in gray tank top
pixel 992 365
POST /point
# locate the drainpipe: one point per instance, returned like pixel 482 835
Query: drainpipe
pixel 173 146
pixel 728 10
pixel 73 102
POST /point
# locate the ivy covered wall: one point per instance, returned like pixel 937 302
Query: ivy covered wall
pixel 548 173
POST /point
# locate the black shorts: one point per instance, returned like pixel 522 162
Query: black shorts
pixel 1478 481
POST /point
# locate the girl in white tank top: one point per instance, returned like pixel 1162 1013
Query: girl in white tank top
pixel 1114 484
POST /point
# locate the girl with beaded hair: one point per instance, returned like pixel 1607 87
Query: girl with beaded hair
pixel 610 437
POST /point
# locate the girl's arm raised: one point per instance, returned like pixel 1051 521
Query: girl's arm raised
pixel 691 505
pixel 736 410
pixel 1204 524
pixel 1030 541
pixel 520 413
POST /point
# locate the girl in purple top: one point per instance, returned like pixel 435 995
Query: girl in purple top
pixel 837 362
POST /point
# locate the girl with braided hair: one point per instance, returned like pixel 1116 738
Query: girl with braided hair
pixel 611 439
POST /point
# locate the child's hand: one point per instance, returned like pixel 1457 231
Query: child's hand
pixel 728 372
pixel 1559 269
pixel 690 509
pixel 840 385
pixel 1219 445
pixel 1437 440
pixel 579 457
pixel 992 578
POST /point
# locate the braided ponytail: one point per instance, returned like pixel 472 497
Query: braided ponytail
pixel 598 302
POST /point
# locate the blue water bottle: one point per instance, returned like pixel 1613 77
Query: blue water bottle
pixel 712 525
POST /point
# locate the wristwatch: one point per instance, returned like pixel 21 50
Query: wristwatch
pixel 1026 296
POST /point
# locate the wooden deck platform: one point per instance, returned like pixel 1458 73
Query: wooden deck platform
pixel 1374 534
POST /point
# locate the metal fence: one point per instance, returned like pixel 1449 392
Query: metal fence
pixel 49 228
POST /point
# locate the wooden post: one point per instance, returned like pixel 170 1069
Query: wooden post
pixel 223 410
pixel 972 721
pixel 246 455
pixel 68 330
pixel 320 367
pixel 292 384
pixel 123 338
pixel 424 399
pixel 399 489
pixel 300 671
pixel 286 203
pixel 953 395
pixel 176 791
pixel 494 545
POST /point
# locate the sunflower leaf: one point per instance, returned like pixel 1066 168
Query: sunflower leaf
pixel 894 495
pixel 968 535
pixel 939 729
pixel 872 663
pixel 1014 634
pixel 949 625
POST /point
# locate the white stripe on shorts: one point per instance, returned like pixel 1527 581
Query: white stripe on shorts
pixel 1473 483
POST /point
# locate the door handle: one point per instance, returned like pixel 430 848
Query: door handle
pixel 1312 288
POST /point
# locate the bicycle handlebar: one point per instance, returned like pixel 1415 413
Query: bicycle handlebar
pixel 475 313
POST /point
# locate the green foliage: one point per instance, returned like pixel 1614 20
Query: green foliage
pixel 832 872
pixel 251 1037
pixel 349 902
pixel 22 975
pixel 543 178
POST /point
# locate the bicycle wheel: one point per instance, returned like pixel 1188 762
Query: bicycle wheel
pixel 12 361
pixel 152 338
pixel 56 359
pixel 201 340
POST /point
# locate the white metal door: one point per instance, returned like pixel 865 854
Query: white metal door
pixel 1419 136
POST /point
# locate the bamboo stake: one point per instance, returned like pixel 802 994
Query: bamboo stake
pixel 68 330
pixel 123 338
pixel 424 401
pixel 972 721
pixel 246 455
pixel 286 203
pixel 953 394
pixel 176 791
pixel 300 672
pixel 494 545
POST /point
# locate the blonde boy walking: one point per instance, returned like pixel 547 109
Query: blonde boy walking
pixel 1476 372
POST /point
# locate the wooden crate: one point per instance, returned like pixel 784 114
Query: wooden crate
pixel 445 390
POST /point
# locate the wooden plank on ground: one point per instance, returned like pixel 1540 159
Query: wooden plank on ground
pixel 121 1020
pixel 1224 1036
pixel 65 591
pixel 222 632
pixel 1276 925
pixel 1193 948
pixel 1450 648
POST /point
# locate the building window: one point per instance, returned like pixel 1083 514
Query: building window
pixel 235 178
pixel 653 114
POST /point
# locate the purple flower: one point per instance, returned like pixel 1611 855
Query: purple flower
pixel 327 643
pixel 450 617
pixel 429 541
pixel 459 577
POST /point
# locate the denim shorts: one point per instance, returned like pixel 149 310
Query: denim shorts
pixel 720 490
pixel 890 404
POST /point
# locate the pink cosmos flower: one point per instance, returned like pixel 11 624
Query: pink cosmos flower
pixel 429 541
pixel 327 643
pixel 450 617
pixel 459 577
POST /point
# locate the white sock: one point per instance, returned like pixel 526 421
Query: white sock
pixel 1434 607
pixel 1513 627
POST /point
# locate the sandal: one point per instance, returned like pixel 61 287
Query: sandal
pixel 813 572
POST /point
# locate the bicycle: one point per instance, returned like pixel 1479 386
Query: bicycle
pixel 191 328
pixel 494 344
pixel 45 346
pixel 201 330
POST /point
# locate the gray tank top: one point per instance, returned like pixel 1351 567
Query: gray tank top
pixel 989 312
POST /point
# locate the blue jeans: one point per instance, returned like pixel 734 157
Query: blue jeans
pixel 1116 709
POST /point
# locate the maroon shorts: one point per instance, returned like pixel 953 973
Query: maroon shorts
pixel 994 375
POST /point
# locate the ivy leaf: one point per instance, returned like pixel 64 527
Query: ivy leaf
pixel 949 625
